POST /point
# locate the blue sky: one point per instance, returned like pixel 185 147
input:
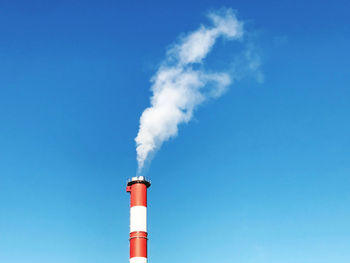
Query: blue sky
pixel 261 174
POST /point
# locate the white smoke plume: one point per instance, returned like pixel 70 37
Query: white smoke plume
pixel 179 86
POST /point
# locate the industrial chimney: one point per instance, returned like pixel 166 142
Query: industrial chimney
pixel 137 187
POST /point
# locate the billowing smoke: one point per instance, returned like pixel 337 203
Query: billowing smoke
pixel 181 84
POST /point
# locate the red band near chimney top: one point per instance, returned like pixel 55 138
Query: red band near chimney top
pixel 138 195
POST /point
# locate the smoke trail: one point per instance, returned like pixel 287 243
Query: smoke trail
pixel 178 87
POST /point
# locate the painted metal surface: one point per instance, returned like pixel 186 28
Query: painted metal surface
pixel 138 218
pixel 138 260
pixel 137 187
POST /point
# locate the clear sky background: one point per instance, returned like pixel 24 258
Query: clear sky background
pixel 261 175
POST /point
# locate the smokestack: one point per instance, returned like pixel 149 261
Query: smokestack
pixel 137 187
